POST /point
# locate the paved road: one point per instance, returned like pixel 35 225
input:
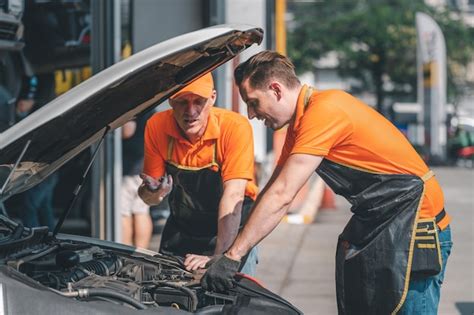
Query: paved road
pixel 297 261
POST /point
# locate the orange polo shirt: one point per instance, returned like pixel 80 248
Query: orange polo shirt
pixel 344 130
pixel 229 131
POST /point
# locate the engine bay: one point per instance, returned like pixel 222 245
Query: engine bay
pixel 83 271
pixel 57 274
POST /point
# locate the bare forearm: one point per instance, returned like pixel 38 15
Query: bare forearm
pixel 274 202
pixel 260 215
pixel 264 218
pixel 228 227
pixel 272 179
pixel 230 211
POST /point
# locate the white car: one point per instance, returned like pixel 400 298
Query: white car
pixel 42 272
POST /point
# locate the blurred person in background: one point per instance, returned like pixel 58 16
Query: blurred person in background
pixel 7 109
pixel 35 206
pixel 7 114
pixel 14 106
pixel 137 226
pixel 204 157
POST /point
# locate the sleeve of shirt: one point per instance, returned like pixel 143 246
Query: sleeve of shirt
pixel 323 126
pixel 154 162
pixel 238 155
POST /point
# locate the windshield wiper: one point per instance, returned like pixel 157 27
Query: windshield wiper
pixel 78 188
pixel 7 180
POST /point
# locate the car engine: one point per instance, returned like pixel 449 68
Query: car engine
pixel 55 273
pixel 90 272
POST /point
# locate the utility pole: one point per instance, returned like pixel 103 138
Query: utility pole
pixel 107 170
pixel 280 45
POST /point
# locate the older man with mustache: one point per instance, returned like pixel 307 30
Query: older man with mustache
pixel 204 158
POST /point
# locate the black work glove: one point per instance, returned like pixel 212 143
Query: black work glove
pixel 220 273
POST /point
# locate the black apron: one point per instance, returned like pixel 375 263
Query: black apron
pixel 375 250
pixel 194 206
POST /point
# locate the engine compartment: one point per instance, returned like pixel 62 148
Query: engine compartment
pixel 57 274
pixel 88 272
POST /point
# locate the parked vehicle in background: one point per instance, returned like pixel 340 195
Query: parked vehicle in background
pixel 47 35
pixel 11 27
pixel 461 142
pixel 11 44
pixel 57 34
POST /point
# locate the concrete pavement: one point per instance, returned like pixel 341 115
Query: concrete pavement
pixel 297 261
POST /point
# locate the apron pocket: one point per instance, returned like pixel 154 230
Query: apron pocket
pixel 427 259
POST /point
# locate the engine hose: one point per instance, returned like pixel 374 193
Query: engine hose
pixel 85 293
pixel 115 295
pixel 103 267
pixel 55 278
pixel 191 293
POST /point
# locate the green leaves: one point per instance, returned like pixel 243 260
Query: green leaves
pixel 375 41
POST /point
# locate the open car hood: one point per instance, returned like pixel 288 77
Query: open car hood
pixel 60 130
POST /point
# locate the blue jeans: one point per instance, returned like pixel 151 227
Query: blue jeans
pixel 423 295
pixel 251 264
pixel 36 206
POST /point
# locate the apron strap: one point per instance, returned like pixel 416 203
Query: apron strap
pixel 427 176
pixel 170 148
pixel 214 156
pixel 307 96
pixel 440 216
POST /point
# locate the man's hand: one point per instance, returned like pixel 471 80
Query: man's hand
pixel 151 183
pixel 220 273
pixel 193 262
pixel 164 183
pixel 152 190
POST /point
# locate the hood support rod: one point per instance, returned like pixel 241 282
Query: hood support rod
pixel 15 166
pixel 78 188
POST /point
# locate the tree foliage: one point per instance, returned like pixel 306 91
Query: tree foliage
pixel 375 41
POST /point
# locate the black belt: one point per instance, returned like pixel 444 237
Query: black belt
pixel 440 216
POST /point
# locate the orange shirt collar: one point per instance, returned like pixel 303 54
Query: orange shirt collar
pixel 299 108
pixel 212 128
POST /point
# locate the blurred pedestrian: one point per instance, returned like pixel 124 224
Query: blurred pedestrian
pixel 7 109
pixel 137 226
pixel 204 156
pixel 392 254
pixel 35 206
pixel 7 119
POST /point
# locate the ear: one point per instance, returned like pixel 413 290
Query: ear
pixel 276 89
pixel 213 97
pixel 171 103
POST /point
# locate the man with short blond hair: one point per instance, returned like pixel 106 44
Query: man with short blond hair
pixel 392 254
